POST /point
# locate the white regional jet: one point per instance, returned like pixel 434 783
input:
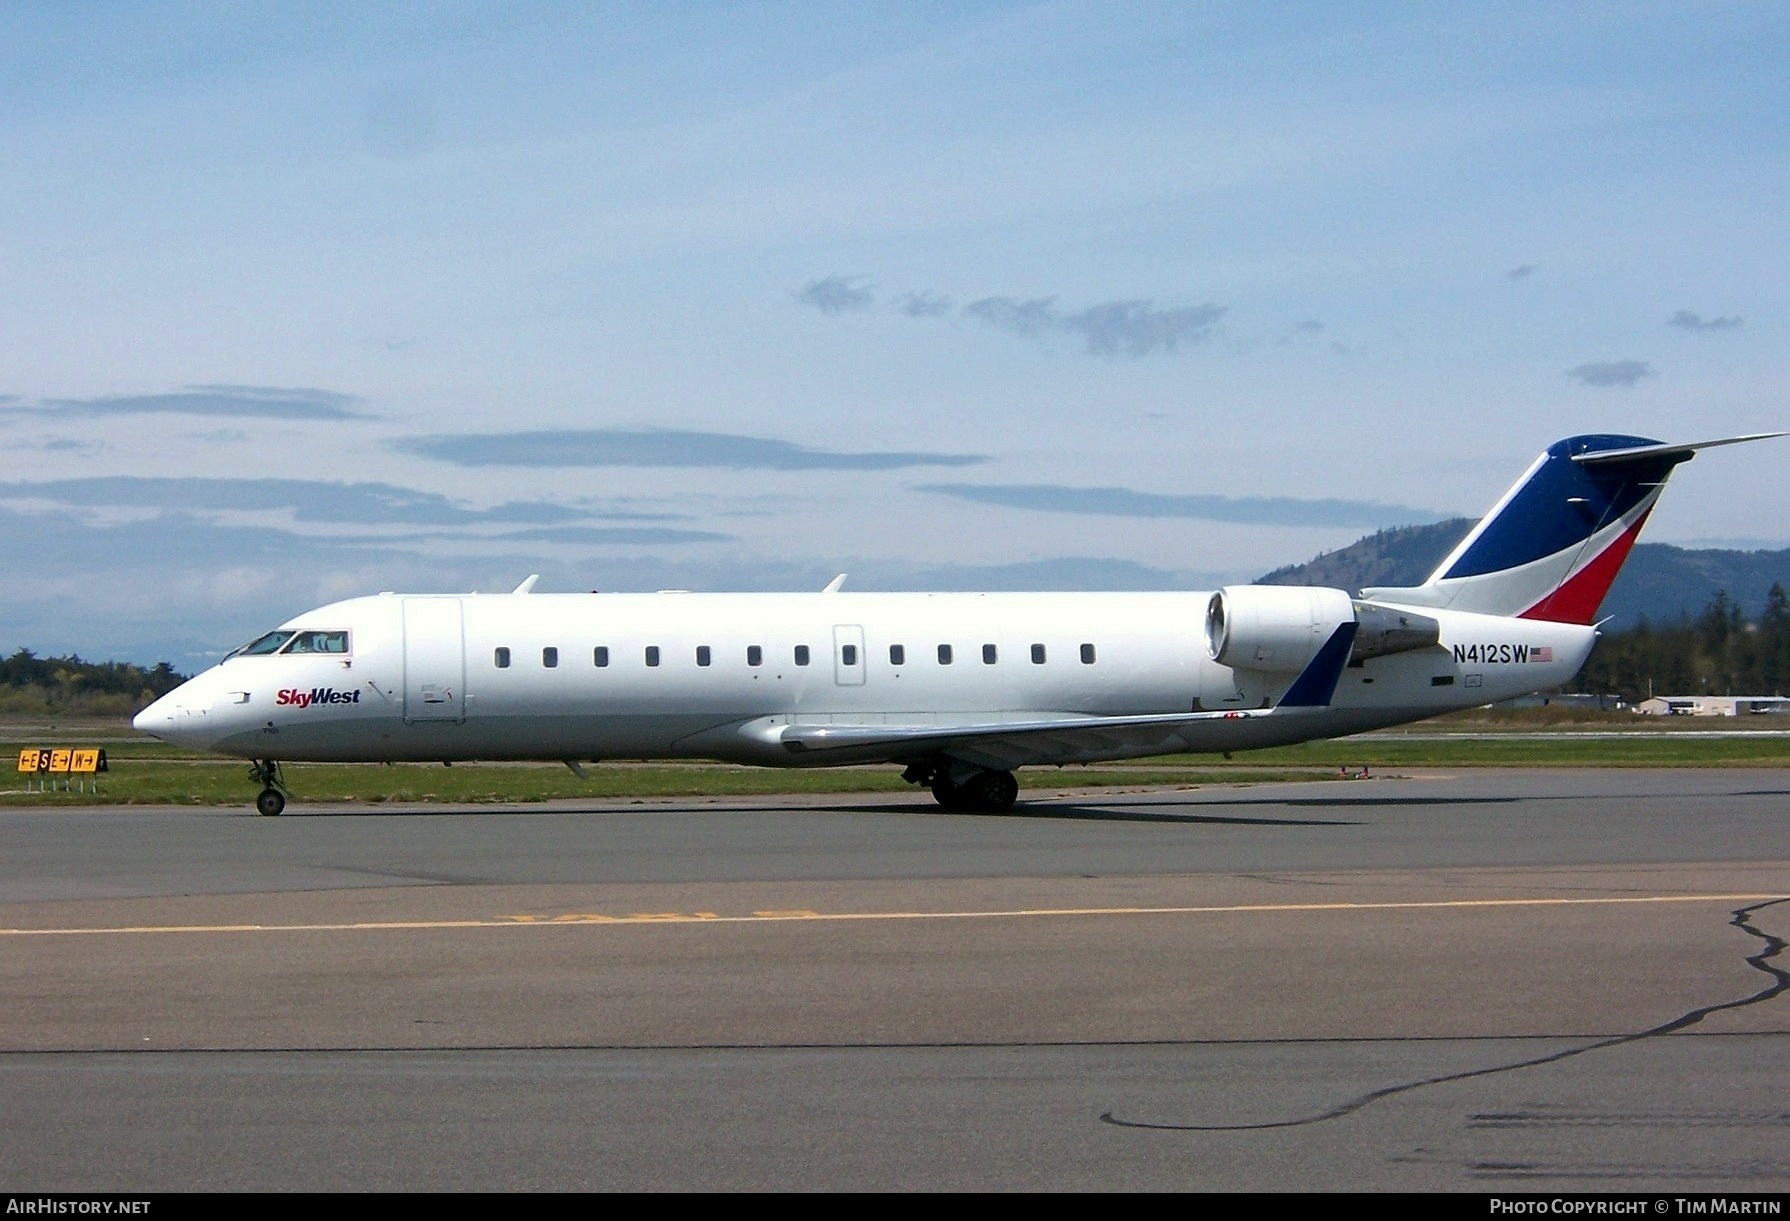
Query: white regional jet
pixel 958 688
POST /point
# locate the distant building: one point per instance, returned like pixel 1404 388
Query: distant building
pixel 1566 699
pixel 1713 705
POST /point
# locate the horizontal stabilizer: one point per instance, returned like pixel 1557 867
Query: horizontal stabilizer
pixel 1679 452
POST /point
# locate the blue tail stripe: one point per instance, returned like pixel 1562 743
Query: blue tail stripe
pixel 1540 519
pixel 1317 682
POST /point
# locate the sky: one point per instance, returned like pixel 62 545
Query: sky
pixel 301 301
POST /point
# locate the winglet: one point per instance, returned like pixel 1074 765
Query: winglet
pixel 528 586
pixel 1317 682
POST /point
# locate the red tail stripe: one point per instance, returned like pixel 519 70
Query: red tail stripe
pixel 1578 597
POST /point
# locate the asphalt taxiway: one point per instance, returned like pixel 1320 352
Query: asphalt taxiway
pixel 1466 980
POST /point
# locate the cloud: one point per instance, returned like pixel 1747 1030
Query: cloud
pixel 1687 321
pixel 175 578
pixel 256 402
pixel 1128 327
pixel 836 294
pixel 185 589
pixel 1611 373
pixel 1134 328
pixel 1520 273
pixel 657 447
pixel 605 535
pixel 1027 318
pixel 584 536
pixel 923 305
pixel 1123 502
pixel 1308 329
pixel 1067 573
pixel 1115 328
pixel 308 500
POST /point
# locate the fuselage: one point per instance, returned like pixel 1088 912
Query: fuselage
pixel 667 675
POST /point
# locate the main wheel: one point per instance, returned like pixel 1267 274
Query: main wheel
pixel 270 803
pixel 945 793
pixel 994 792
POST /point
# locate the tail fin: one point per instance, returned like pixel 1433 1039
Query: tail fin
pixel 1552 546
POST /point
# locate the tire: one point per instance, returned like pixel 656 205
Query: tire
pixel 995 792
pixel 270 803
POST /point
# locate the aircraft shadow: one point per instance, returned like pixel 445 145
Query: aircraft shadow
pixel 1021 812
pixel 1124 814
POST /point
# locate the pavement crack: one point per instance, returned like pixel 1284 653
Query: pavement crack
pixel 1742 919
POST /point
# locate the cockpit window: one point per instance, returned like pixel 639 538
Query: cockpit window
pixel 319 642
pixel 269 643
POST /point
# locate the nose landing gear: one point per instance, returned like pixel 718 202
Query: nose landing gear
pixel 272 798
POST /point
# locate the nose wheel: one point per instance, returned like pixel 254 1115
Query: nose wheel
pixel 272 798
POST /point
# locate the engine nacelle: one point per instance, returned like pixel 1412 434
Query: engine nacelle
pixel 1277 628
pixel 1383 631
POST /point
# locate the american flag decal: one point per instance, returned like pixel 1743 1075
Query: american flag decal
pixel 1541 652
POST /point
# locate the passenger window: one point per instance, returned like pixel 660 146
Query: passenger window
pixel 944 655
pixel 897 655
pixel 801 654
pixel 501 658
pixel 703 656
pixel 1037 654
pixel 1087 654
pixel 550 657
pixel 754 655
pixel 988 655
pixel 848 654
pixel 600 655
pixel 652 654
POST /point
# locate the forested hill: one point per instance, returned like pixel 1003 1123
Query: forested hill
pixel 29 683
pixel 1660 582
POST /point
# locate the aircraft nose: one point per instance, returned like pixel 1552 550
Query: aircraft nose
pixel 156 719
pixel 179 716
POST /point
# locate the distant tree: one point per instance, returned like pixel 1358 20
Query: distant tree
pixel 1774 642
pixel 1717 653
pixel 1719 630
pixel 70 684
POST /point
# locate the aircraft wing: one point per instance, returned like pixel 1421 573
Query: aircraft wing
pixel 1009 744
pixel 1074 739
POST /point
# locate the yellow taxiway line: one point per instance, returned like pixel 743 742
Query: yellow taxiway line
pixel 569 919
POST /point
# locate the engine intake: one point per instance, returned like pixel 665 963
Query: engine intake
pixel 1280 628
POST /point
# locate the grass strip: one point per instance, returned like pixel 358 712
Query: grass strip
pixel 145 772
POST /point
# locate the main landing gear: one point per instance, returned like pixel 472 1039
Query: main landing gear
pixel 272 798
pixel 958 786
